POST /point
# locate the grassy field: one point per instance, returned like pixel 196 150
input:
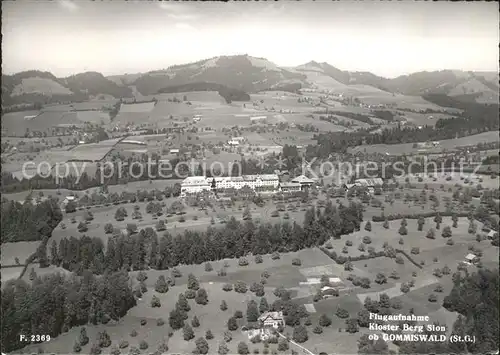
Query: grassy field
pixel 20 250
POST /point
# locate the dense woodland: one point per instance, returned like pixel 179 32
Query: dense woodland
pixel 28 222
pixel 475 298
pixel 137 251
pixel 53 304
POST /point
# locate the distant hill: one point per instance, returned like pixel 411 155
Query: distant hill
pixel 246 74
pixel 38 88
pixel 241 72
pixel 447 82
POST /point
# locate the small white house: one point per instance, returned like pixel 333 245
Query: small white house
pixel 174 151
pixel 233 143
pixel 471 258
pixel 491 234
pixel 272 319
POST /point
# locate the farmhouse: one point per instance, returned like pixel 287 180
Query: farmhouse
pixel 369 182
pixel 174 151
pixel 471 258
pixel 67 199
pixel 290 186
pixel 272 319
pixel 196 118
pixel 238 139
pixel 304 181
pixel 233 142
pixel 491 234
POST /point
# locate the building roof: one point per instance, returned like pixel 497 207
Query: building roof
pixel 302 179
pixel 195 180
pixel 271 315
pixel 471 256
pixel 492 233
pixel 290 184
pixel 370 182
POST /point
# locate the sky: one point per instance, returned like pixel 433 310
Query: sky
pixel 116 37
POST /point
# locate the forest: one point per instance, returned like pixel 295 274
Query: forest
pixel 28 222
pixel 143 249
pixel 55 303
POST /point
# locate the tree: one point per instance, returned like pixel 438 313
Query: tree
pixel 82 227
pixel 318 329
pixel 386 224
pixel 342 313
pixel 77 348
pixel 228 336
pixel 176 319
pixel 70 207
pixel 446 232
pixel 195 322
pixel 381 278
pixel 263 306
pixel 430 234
pixel 252 311
pixel 143 345
pixel 155 302
pixel 201 296
pixel 104 340
pixel 296 262
pixel 223 305
pixel 223 349
pixel 108 228
pixel 247 215
pixel 324 320
pixel 209 335
pixel 187 332
pixel 283 345
pixel 160 226
pixel 208 267
pixel 83 339
pixel 183 304
pixel 161 285
pixel 193 283
pixel 201 346
pixel 403 230
pixel 420 222
pixel 232 324
pixel 432 298
pixel 243 348
pixel 352 325
pixel 368 226
pixel 240 287
pixel 300 334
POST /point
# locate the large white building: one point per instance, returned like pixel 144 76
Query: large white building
pixel 195 184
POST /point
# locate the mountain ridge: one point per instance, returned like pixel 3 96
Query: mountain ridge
pixel 240 72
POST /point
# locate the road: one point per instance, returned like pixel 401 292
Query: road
pixel 304 350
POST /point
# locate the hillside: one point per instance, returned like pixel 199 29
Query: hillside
pixel 239 72
pixel 247 74
pixel 38 88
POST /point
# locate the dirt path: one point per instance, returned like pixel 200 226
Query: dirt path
pixel 303 350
